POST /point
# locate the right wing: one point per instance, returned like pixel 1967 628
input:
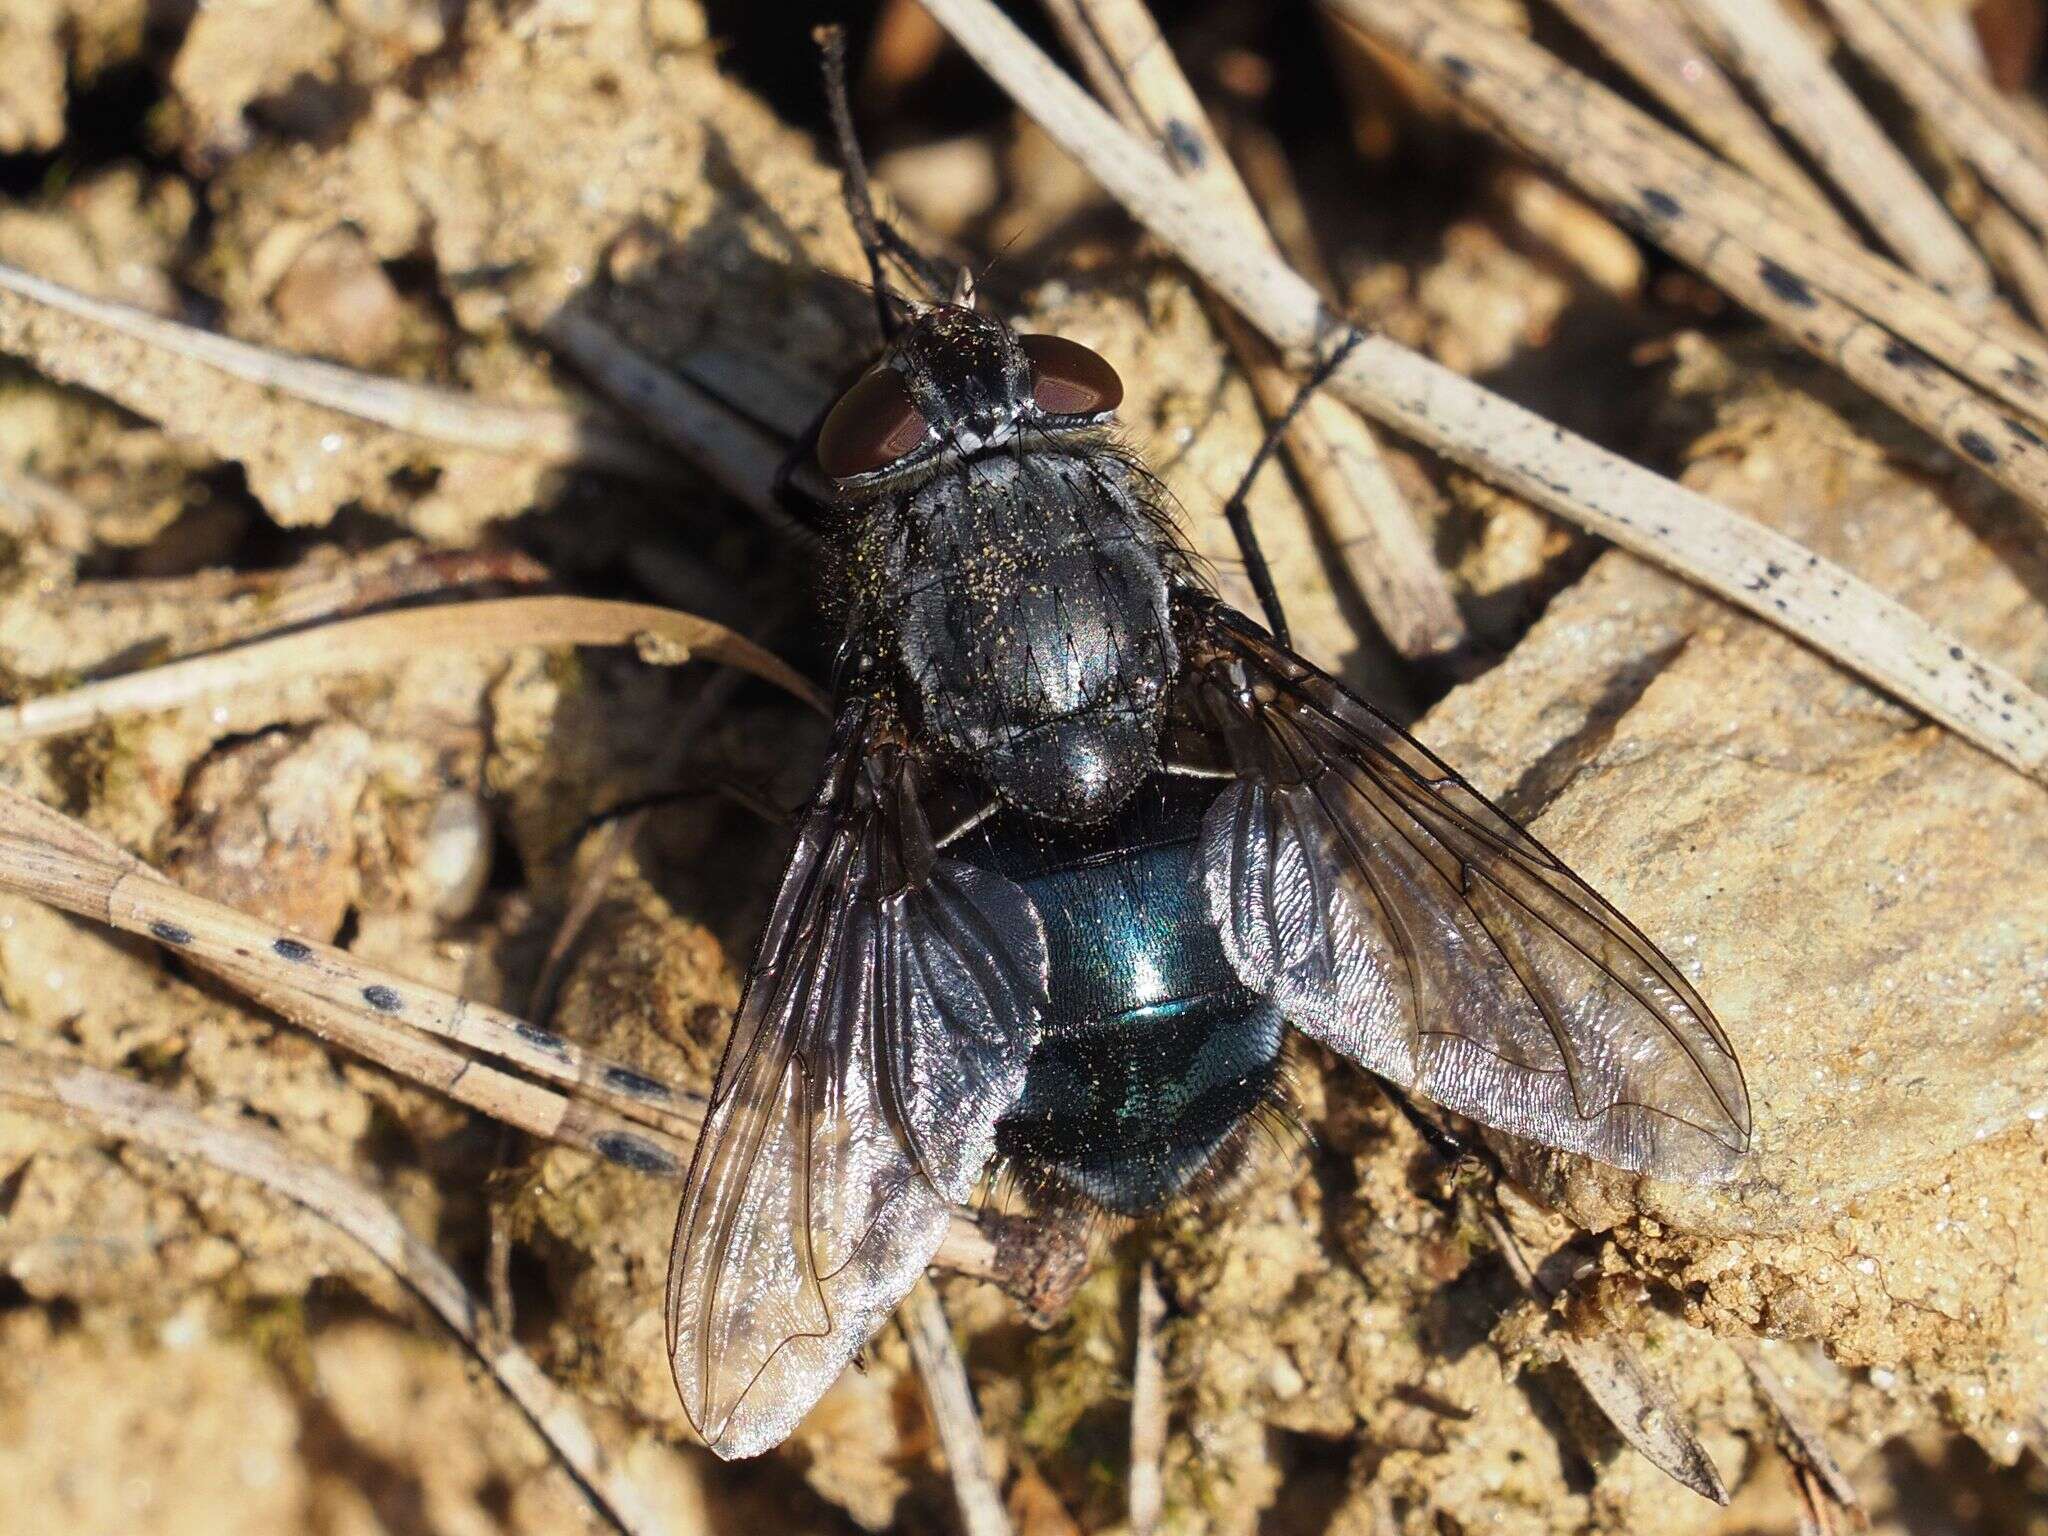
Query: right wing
pixel 1406 922
pixel 886 1025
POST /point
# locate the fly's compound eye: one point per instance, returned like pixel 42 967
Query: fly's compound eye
pixel 1069 380
pixel 873 425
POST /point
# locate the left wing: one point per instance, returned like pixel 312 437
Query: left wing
pixel 886 1025
pixel 1403 920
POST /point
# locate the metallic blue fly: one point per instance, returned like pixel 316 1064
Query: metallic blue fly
pixel 1087 843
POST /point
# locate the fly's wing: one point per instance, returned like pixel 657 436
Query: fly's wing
pixel 1404 921
pixel 891 1011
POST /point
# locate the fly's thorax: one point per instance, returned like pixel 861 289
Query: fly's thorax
pixel 1024 596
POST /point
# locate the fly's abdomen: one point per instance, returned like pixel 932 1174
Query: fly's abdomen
pixel 1153 1054
pixel 1131 1111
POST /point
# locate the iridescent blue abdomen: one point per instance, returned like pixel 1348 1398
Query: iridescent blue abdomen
pixel 1153 1053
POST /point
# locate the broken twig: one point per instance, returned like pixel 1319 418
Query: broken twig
pixel 444 415
pixel 1810 101
pixel 1384 553
pixel 55 859
pixel 947 1394
pixel 1148 1407
pixel 1638 1404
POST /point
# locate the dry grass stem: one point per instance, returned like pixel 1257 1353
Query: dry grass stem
pixel 1635 1400
pixel 1751 566
pixel 969 1461
pixel 2017 255
pixel 741 459
pixel 1897 43
pixel 1386 557
pixel 1658 48
pixel 1148 1407
pixel 233 607
pixel 444 415
pixel 2003 446
pixel 1953 41
pixel 1813 105
pixel 382 639
pixel 58 848
pixel 114 1106
pixel 1559 116
pixel 1803 1440
pixel 109 887
pixel 48 856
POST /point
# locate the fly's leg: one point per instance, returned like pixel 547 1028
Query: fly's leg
pixel 1238 513
pixel 1449 1147
pixel 800 488
pixel 879 238
pixel 681 794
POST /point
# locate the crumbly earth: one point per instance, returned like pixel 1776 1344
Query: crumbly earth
pixel 426 190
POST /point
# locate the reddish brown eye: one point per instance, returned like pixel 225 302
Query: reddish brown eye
pixel 873 425
pixel 1069 380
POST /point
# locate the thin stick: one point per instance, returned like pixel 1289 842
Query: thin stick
pixel 1557 115
pixel 383 639
pixel 2016 253
pixel 114 1106
pixel 1148 1407
pixel 565 1118
pixel 47 855
pixel 123 893
pixel 1810 101
pixel 41 851
pixel 1804 1442
pixel 234 607
pixel 1378 539
pixel 1660 51
pixel 1896 42
pixel 1753 567
pixel 1636 1402
pixel 1998 444
pixel 951 1400
pixel 1816 1509
pixel 738 456
pixel 445 415
pixel 1955 47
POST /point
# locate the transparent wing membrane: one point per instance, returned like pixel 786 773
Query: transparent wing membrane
pixel 1404 921
pixel 892 1009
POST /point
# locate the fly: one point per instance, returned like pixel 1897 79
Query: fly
pixel 1088 842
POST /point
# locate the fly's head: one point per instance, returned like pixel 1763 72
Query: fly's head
pixel 954 384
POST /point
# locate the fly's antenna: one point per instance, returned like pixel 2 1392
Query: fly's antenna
pixel 878 237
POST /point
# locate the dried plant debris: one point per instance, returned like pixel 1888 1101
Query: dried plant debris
pixel 439 206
